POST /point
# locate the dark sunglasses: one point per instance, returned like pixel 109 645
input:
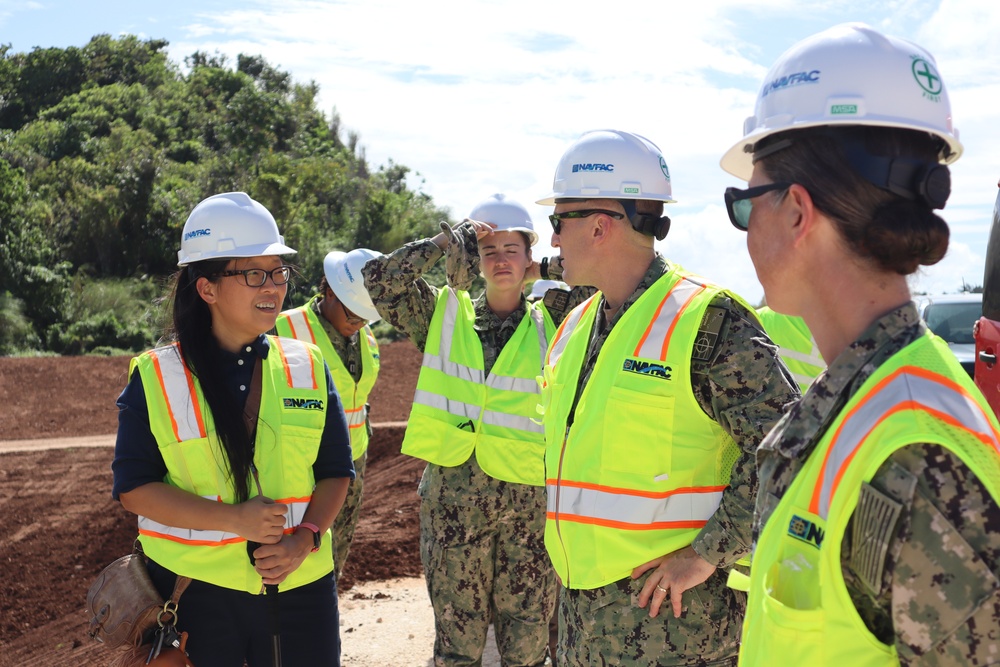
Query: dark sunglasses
pixel 352 319
pixel 557 218
pixel 257 277
pixel 739 205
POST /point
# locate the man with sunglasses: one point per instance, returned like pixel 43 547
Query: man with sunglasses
pixel 337 321
pixel 656 393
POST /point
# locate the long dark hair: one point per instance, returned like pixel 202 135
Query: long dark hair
pixel 192 328
pixel 893 233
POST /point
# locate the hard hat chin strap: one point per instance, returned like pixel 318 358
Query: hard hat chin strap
pixel 644 223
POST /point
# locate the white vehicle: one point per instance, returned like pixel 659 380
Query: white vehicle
pixel 952 316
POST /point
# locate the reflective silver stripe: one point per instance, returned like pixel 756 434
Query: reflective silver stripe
pixel 812 358
pixel 177 391
pixel 450 368
pixel 653 346
pixel 457 408
pixel 441 362
pixel 564 333
pixel 802 379
pixel 625 508
pixel 296 510
pixel 299 324
pixel 508 383
pixel 298 363
pixel 505 420
pixel 543 342
pixel 905 387
pixel 356 417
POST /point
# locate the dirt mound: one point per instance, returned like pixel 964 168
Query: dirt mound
pixel 59 525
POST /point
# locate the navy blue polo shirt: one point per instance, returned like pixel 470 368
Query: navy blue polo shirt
pixel 137 457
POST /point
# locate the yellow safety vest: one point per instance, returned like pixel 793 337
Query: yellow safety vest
pixel 303 323
pixel 796 345
pixel 799 609
pixel 458 408
pixel 290 424
pixel 642 468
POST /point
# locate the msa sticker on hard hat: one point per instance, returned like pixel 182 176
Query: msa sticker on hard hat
pixel 631 189
pixel 845 106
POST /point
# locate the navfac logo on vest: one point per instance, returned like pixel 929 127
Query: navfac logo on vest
pixel 303 403
pixel 805 530
pixel 593 166
pixel 647 368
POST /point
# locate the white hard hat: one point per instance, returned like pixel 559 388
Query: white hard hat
pixel 507 215
pixel 849 74
pixel 609 164
pixel 540 287
pixel 230 225
pixel 343 273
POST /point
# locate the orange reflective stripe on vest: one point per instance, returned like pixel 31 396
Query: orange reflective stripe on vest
pixel 951 404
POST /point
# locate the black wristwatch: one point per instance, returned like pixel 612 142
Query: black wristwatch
pixel 317 536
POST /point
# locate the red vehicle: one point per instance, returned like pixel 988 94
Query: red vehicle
pixel 987 329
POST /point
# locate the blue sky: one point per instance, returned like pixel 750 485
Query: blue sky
pixel 483 96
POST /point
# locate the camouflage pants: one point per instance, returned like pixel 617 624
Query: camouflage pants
pixel 481 544
pixel 606 626
pixel 347 520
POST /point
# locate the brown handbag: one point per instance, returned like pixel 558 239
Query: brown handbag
pixel 122 602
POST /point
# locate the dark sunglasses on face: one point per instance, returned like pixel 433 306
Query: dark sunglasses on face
pixel 739 204
pixel 257 277
pixel 557 218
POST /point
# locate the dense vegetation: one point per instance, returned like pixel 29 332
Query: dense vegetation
pixel 105 149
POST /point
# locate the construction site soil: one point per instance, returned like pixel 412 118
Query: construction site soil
pixel 59 525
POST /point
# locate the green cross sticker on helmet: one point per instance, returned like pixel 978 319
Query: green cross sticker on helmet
pixel 663 168
pixel 927 76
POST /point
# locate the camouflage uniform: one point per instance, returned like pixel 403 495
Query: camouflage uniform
pixel 742 384
pixel 481 539
pixel 937 596
pixel 349 351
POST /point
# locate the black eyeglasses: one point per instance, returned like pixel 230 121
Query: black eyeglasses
pixel 557 218
pixel 257 277
pixel 352 319
pixel 739 205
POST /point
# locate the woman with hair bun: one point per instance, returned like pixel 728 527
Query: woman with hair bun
pixel 877 529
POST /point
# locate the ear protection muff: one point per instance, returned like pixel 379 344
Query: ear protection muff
pixel 644 223
pixel 929 182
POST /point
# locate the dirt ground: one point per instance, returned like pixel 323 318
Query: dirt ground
pixel 59 526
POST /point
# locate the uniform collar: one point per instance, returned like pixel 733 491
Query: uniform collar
pixel 812 415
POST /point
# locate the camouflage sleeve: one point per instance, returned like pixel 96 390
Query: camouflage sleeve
pixel 930 580
pixel 462 257
pixel 740 381
pixel 400 295
pixel 560 302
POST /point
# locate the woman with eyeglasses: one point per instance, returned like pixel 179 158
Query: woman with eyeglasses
pixel 877 530
pixel 233 450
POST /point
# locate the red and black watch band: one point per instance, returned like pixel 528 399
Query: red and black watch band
pixel 317 535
